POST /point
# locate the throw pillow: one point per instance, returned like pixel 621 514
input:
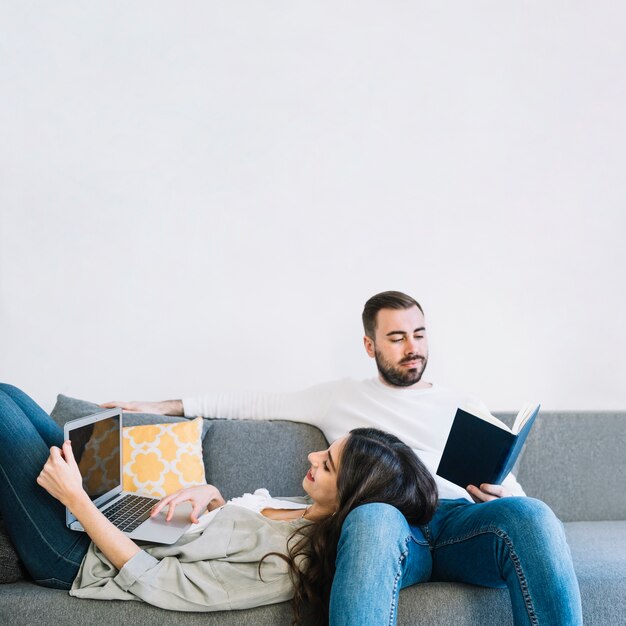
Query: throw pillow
pixel 162 458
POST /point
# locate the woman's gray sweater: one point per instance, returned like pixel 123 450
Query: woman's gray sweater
pixel 216 570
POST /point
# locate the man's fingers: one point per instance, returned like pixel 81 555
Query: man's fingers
pixel 495 490
pixel 487 492
pixel 128 407
pixel 478 495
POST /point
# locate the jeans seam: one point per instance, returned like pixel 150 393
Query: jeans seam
pixel 427 534
pixel 43 581
pixel 532 615
pixel 27 515
pixel 396 588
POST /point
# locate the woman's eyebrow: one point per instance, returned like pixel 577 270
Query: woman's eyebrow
pixel 332 463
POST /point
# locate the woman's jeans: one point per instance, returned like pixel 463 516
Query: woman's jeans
pixel 510 542
pixel 34 520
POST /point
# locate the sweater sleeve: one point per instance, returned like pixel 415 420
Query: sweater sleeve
pixel 176 585
pixel 308 406
pixel 510 482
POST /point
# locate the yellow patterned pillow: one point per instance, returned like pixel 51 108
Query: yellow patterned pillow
pixel 159 459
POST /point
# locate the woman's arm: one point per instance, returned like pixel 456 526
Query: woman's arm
pixel 60 477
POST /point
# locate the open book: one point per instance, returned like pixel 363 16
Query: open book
pixel 482 449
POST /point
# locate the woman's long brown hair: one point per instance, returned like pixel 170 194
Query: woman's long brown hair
pixel 375 466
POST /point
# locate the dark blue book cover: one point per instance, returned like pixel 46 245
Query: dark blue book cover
pixel 478 451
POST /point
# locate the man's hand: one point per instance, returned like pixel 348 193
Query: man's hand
pixel 165 407
pixel 487 492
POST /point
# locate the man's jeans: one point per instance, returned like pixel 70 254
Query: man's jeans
pixel 510 542
pixel 34 520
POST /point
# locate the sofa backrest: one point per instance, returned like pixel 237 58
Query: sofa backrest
pixel 576 463
pixel 244 455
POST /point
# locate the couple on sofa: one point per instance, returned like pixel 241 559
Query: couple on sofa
pixel 376 522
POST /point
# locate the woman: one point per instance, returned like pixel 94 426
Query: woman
pixel 245 554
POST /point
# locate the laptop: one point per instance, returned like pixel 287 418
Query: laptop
pixel 97 446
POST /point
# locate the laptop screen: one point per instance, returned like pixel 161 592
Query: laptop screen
pixel 96 448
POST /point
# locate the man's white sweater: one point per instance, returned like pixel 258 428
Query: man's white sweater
pixel 422 418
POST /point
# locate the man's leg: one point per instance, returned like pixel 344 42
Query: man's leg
pixel 514 541
pixel 34 520
pixel 378 553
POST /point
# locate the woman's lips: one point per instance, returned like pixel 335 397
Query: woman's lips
pixel 309 476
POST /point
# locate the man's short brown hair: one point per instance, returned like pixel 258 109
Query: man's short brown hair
pixel 385 300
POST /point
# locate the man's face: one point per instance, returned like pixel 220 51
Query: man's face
pixel 400 346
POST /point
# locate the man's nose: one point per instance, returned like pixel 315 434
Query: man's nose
pixel 411 346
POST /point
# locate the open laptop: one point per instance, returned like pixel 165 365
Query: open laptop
pixel 97 447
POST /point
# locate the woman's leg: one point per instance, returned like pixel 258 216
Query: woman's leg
pixel 50 432
pixel 34 520
pixel 378 554
pixel 517 542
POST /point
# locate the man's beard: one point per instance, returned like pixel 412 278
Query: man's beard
pixel 401 376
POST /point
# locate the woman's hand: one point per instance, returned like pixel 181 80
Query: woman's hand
pixel 488 492
pixel 60 476
pixel 203 498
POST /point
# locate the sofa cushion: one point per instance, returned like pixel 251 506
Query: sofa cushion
pixel 11 568
pixel 599 555
pixel 597 550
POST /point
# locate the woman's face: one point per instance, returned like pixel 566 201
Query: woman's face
pixel 320 481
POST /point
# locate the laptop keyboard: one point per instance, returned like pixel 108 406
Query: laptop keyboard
pixel 130 511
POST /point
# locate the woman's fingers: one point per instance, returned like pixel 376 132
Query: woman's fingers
pixel 68 454
pixel 161 504
pixel 199 496
pixel 60 476
pixel 171 501
pixel 170 511
pixel 198 509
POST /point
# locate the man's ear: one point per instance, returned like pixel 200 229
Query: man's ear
pixel 370 347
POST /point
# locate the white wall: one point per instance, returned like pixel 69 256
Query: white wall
pixel 203 194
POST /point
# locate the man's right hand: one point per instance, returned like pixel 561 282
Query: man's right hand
pixel 165 407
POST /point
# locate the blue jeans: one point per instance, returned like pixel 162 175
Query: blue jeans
pixel 511 542
pixel 34 520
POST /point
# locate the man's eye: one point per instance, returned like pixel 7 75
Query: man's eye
pixel 396 340
pixel 418 336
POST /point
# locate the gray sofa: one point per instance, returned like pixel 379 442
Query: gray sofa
pixel 576 462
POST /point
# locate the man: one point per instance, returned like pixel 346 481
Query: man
pixel 478 536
